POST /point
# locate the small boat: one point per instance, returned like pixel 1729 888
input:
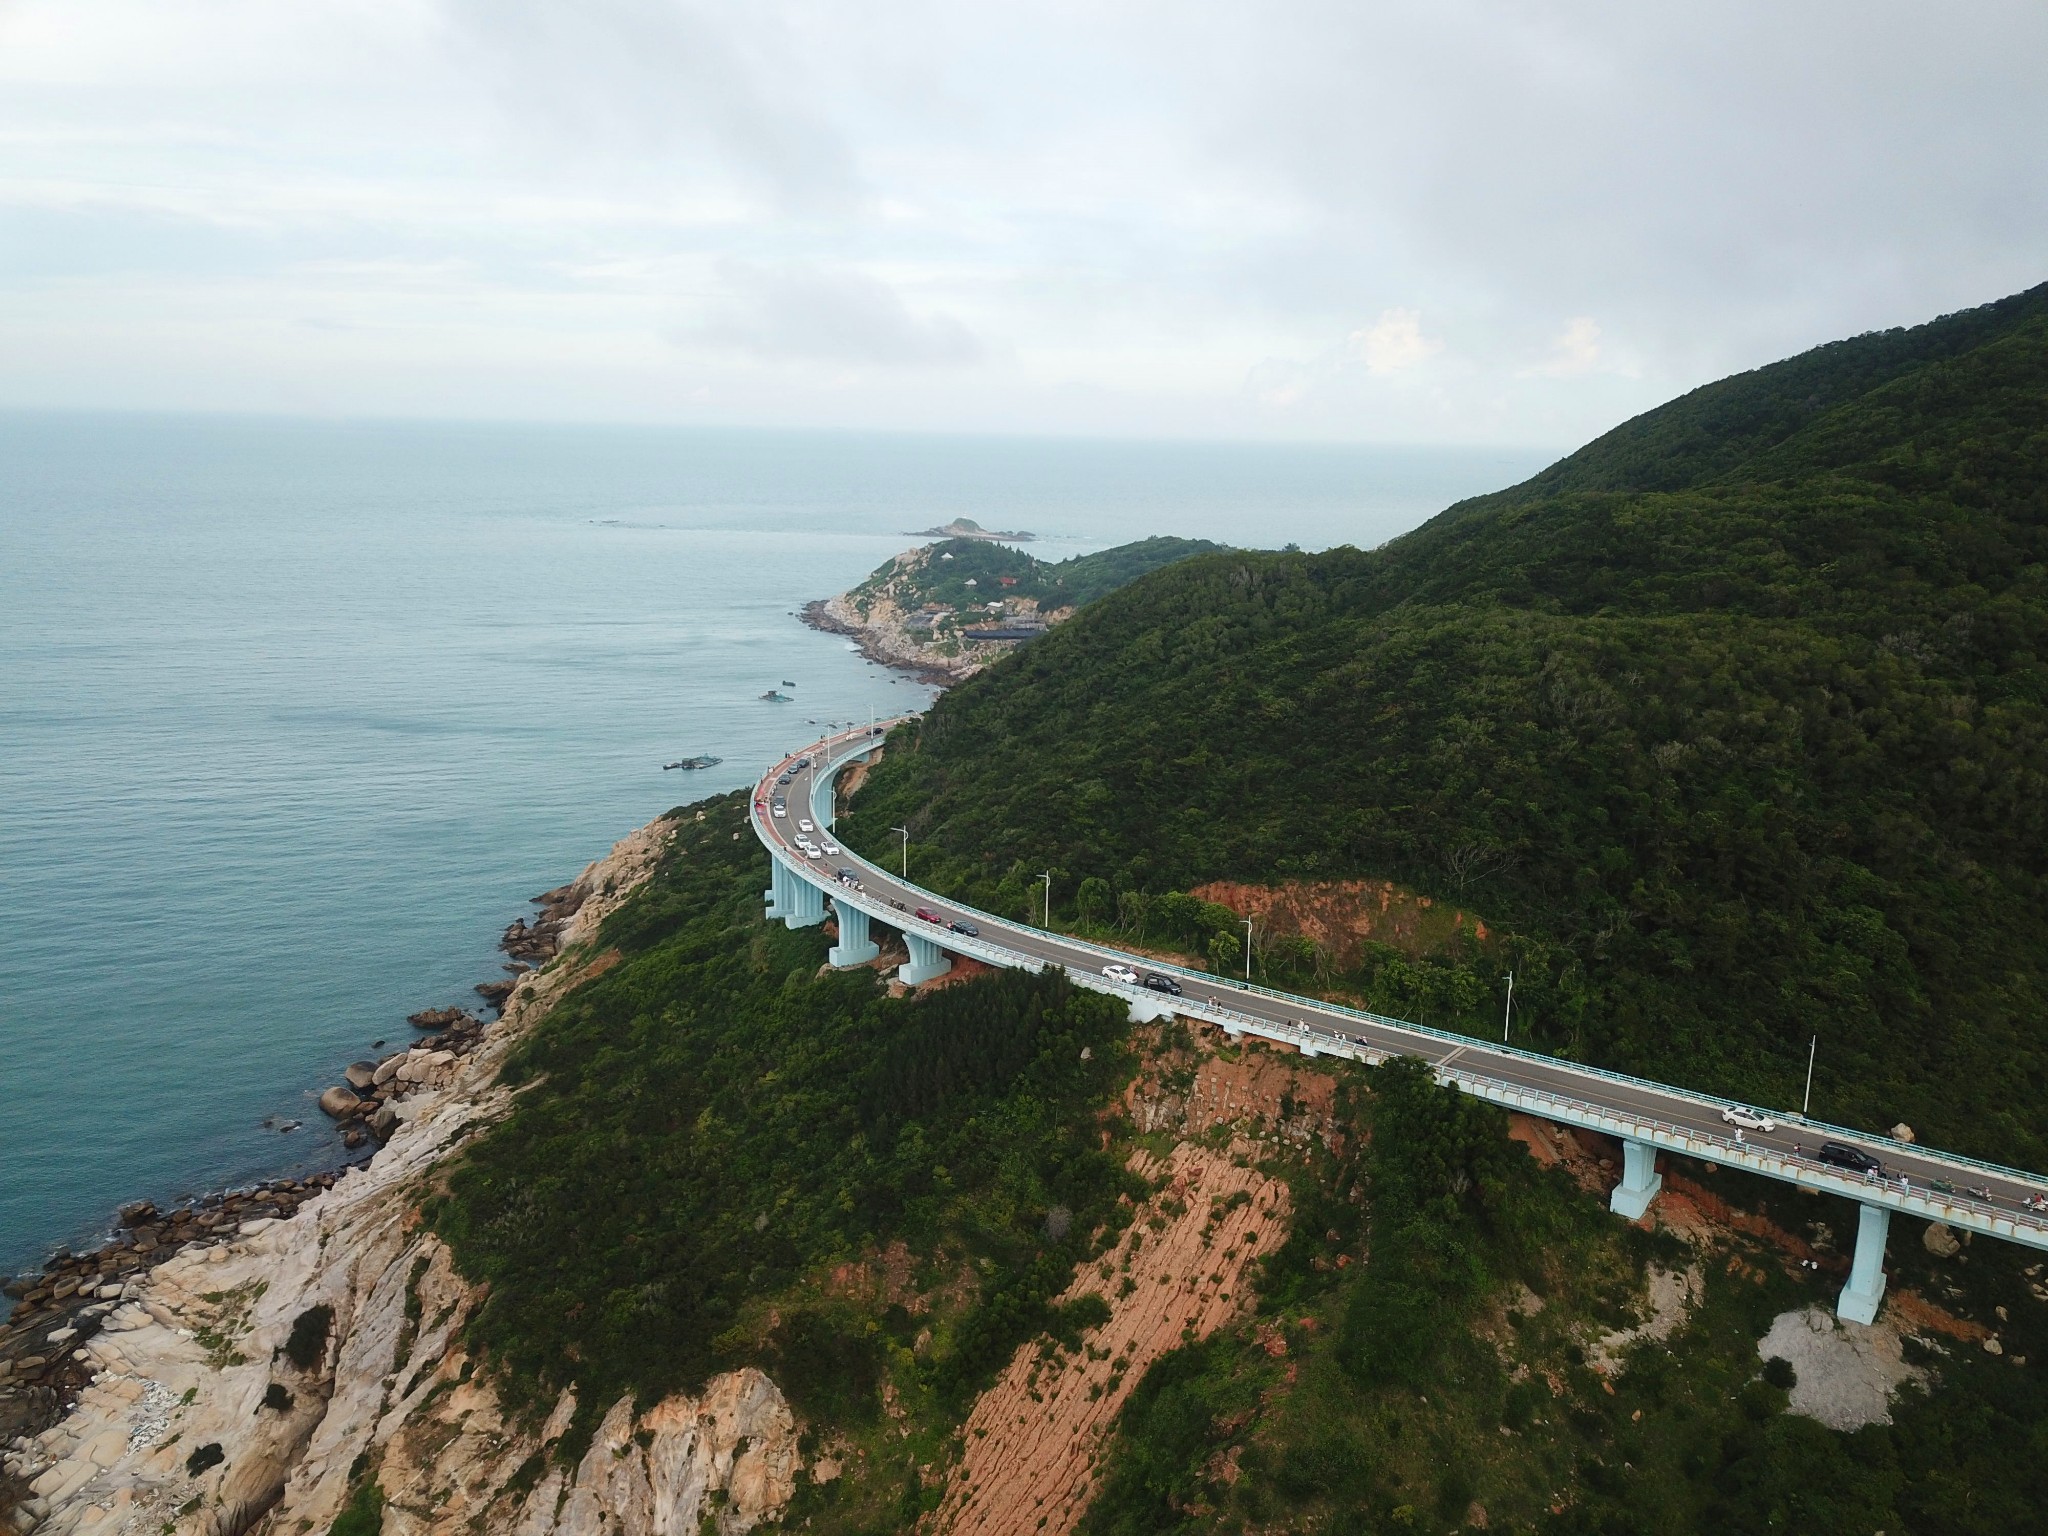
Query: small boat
pixel 775 696
pixel 692 762
pixel 787 683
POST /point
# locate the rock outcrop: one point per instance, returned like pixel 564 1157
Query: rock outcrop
pixel 255 1384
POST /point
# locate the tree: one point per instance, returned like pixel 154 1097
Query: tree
pixel 1095 899
pixel 1225 952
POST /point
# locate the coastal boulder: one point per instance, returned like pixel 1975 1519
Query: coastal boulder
pixel 361 1075
pixel 340 1102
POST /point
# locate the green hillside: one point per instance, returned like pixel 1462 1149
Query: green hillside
pixel 1731 726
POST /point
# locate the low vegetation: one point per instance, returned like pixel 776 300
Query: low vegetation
pixel 713 1127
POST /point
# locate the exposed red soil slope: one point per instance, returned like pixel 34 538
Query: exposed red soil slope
pixel 1342 916
pixel 1033 1438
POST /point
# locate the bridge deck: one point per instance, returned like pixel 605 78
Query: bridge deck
pixel 1612 1102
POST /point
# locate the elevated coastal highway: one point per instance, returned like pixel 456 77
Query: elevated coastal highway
pixel 1648 1117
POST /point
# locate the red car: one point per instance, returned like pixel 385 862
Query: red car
pixel 928 915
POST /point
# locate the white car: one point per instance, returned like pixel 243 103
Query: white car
pixel 1122 973
pixel 804 825
pixel 1747 1119
pixel 832 847
pixel 780 811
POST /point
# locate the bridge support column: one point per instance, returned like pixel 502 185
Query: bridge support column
pixel 1640 1180
pixel 927 961
pixel 855 946
pixel 805 906
pixel 777 894
pixel 1865 1290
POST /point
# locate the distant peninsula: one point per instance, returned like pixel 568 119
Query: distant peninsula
pixel 945 610
pixel 968 528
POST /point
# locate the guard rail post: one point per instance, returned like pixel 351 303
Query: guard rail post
pixel 1640 1180
pixel 1861 1296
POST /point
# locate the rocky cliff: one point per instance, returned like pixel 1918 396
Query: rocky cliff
pixel 311 1364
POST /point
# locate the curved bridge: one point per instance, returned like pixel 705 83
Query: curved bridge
pixel 2001 1202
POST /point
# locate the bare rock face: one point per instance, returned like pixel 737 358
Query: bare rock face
pixel 254 1385
pixel 659 1475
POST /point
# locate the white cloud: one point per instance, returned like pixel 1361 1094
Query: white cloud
pixel 807 313
pixel 1393 342
pixel 1164 216
pixel 1576 350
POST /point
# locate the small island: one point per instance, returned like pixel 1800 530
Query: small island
pixel 968 528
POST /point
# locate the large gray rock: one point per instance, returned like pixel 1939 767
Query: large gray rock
pixel 340 1102
pixel 1940 1240
pixel 361 1075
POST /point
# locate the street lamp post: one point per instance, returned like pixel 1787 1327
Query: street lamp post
pixel 1247 947
pixel 1807 1103
pixel 906 849
pixel 1508 1017
pixel 1048 899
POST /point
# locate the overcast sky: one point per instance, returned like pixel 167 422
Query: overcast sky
pixel 1452 221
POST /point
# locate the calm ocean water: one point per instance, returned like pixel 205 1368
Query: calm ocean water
pixel 295 716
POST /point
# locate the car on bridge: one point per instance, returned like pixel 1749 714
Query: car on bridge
pixel 969 929
pixel 1841 1155
pixel 1122 973
pixel 1747 1119
pixel 803 824
pixel 781 810
pixel 833 848
pixel 929 915
pixel 1159 983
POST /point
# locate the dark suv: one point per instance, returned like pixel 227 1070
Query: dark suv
pixel 1844 1156
pixel 1159 983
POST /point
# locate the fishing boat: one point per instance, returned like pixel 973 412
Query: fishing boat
pixel 776 696
pixel 692 762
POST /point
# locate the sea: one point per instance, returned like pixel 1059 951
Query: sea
pixel 296 716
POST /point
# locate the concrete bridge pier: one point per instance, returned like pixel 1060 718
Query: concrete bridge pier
pixel 805 903
pixel 927 961
pixel 1640 1180
pixel 856 946
pixel 777 895
pixel 1865 1291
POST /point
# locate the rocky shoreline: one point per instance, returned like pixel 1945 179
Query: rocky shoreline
pixel 234 1364
pixel 882 647
pixel 361 1103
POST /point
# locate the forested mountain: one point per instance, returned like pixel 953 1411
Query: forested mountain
pixel 1730 726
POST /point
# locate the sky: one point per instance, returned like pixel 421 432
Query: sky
pixel 1442 222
